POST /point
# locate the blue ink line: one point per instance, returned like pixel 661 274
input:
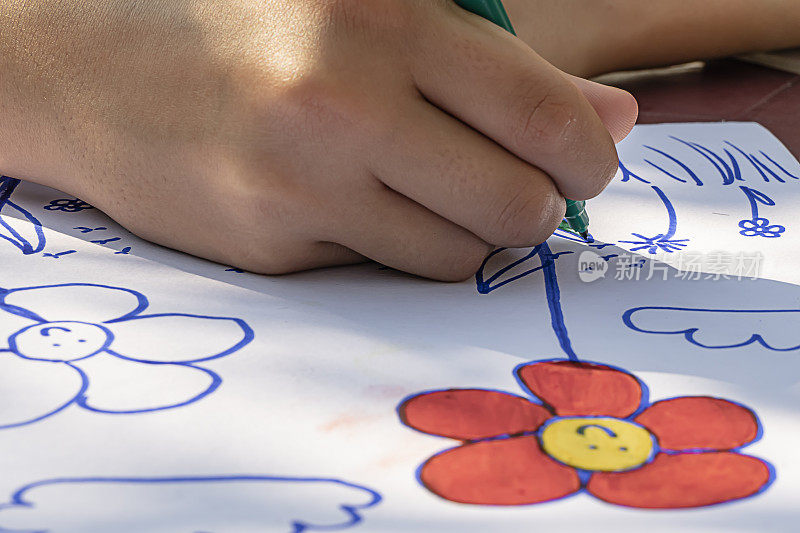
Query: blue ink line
pixel 627 174
pixel 728 176
pixel 714 159
pixel 757 226
pixel 548 261
pixel 84 386
pixel 689 333
pixel 106 241
pixel 216 381
pixel 27 248
pixel 737 170
pixel 485 287
pixel 554 301
pixel 7 188
pixel 673 217
pixel 353 512
pixel 14 233
pixel 247 335
pixel 678 162
pixel 665 171
pixel 16 240
pixel 780 166
pixel 59 255
pixel 512 265
pixel 750 158
pixel 756 197
pixel 662 241
pixel 141 299
pixel 124 251
pixel 572 237
pixel 84 229
pixel 771 172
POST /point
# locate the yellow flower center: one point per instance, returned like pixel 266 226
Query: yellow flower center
pixel 603 444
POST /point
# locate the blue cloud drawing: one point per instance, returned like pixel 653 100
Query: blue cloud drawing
pixel 186 505
pixel 95 346
pixel 773 329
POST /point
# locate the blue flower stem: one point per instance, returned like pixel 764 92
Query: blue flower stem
pixel 554 301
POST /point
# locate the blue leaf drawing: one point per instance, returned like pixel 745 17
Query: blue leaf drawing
pixel 30 240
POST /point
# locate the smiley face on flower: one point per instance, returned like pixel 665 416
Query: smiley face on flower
pixel 95 346
pixel 60 341
pixel 601 444
pixel 587 428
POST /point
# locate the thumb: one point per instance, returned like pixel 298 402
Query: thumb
pixel 617 109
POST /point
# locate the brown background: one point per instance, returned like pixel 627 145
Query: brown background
pixel 718 90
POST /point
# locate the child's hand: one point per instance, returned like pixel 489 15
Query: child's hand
pixel 279 135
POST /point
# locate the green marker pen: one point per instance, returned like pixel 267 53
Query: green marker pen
pixel 576 219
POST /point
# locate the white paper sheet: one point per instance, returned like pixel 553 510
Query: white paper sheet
pixel 185 397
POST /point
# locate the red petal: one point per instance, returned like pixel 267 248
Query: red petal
pixel 498 472
pixel 700 422
pixel 684 480
pixel 471 414
pixel 583 389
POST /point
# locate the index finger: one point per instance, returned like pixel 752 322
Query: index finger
pixel 492 81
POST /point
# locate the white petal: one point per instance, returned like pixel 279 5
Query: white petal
pixel 175 338
pixel 120 386
pixel 77 302
pixel 32 390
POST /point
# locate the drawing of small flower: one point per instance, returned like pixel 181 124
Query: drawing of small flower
pixel 760 227
pixel 123 360
pixel 594 431
pixel 67 205
pixel 657 244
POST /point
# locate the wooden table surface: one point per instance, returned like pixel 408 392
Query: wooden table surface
pixel 718 90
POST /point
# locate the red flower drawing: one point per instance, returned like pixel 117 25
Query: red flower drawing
pixel 593 431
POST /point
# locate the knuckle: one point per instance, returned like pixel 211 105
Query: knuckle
pixel 529 216
pixel 375 17
pixel 551 217
pixel 543 120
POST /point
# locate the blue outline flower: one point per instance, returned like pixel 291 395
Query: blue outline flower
pixel 149 345
pixel 68 205
pixel 659 243
pixel 760 227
